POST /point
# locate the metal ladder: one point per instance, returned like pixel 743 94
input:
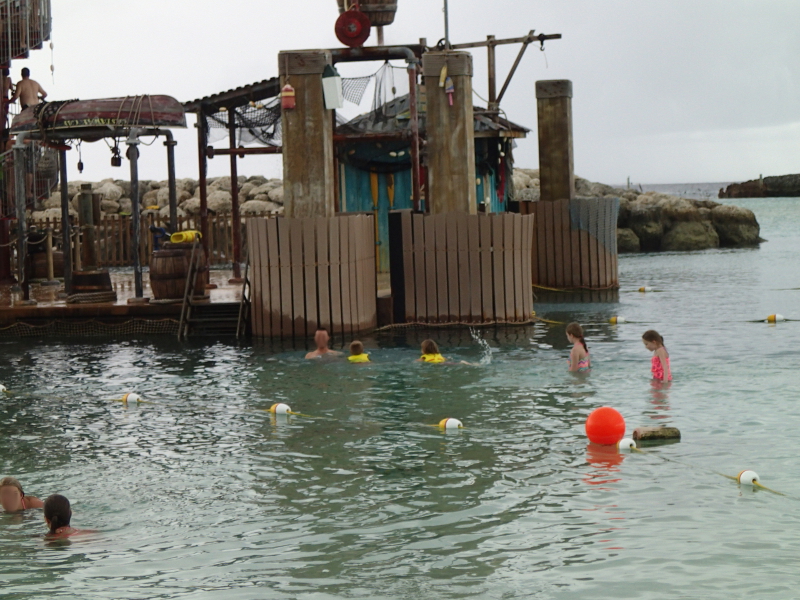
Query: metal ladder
pixel 188 294
pixel 244 305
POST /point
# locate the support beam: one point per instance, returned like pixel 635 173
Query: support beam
pixel 173 191
pixel 202 142
pixel 136 218
pixel 20 150
pixel 236 221
pixel 66 236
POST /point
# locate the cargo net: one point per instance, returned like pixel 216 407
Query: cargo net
pixel 42 164
pixel 598 217
pixel 92 328
pixel 256 122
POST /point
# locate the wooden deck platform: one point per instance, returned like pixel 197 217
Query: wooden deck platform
pixel 50 307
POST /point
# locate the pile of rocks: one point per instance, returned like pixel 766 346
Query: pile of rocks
pixel 650 221
pixel 257 196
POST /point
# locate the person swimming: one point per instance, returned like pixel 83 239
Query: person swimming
pixel 13 498
pixel 579 361
pixel 57 515
pixel 321 339
pixel 430 353
pixel 357 354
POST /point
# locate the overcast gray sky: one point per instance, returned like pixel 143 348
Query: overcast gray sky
pixel 673 91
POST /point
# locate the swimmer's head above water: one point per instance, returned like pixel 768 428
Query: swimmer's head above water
pixel 13 498
pixel 57 513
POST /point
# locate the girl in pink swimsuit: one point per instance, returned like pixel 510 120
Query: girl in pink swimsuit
pixel 660 361
pixel 579 361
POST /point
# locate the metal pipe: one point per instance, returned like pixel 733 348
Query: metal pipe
pixel 51 275
pixel 211 152
pixel 133 157
pixel 66 238
pixel 236 221
pixel 22 226
pixel 414 122
pixel 202 142
pixel 173 192
pixel 408 53
pixel 446 26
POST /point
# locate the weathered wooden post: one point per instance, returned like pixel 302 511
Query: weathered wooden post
pixel 88 250
pixel 450 133
pixel 307 132
pixel 575 244
pixel 556 160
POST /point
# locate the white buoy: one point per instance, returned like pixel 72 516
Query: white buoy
pixel 131 397
pixel 645 288
pixel 776 318
pixel 617 320
pixel 626 444
pixel 3 388
pixel 450 423
pixel 280 409
pixel 747 477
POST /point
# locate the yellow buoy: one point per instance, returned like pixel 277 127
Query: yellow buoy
pixel 617 320
pixel 450 423
pixel 645 288
pixel 184 237
pixel 776 318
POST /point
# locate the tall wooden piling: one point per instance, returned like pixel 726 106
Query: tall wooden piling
pixel 450 134
pixel 307 132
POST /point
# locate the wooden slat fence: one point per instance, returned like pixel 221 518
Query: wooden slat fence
pixel 114 237
pixel 575 243
pixel 312 272
pixel 458 268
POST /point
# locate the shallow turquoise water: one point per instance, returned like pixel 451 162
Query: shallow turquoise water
pixel 203 495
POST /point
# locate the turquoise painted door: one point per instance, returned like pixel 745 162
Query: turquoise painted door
pixel 365 191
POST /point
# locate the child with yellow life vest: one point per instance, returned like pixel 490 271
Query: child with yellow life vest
pixel 357 354
pixel 430 353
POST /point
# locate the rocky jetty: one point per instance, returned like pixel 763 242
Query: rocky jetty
pixel 651 222
pixel 647 221
pixel 780 186
pixel 257 196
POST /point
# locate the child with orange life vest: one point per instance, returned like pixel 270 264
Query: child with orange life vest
pixel 659 364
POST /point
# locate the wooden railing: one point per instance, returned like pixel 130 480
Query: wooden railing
pixel 114 237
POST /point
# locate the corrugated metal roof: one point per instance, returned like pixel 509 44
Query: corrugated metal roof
pixel 393 117
pixel 261 90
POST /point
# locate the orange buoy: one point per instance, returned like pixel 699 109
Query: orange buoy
pixel 605 425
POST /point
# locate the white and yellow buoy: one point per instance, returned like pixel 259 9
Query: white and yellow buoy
pixel 450 423
pixel 617 320
pixel 131 397
pixel 776 318
pixel 280 409
pixel 645 288
pixel 626 444
pixel 3 389
pixel 747 477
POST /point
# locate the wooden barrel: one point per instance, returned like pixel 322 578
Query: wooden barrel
pixel 39 265
pixel 380 12
pixel 169 268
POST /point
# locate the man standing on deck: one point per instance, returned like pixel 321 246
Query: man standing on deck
pixel 321 339
pixel 29 92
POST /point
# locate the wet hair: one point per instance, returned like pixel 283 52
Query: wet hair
pixel 26 72
pixel 57 511
pixel 576 331
pixel 430 347
pixel 11 482
pixel 651 335
pixel 356 348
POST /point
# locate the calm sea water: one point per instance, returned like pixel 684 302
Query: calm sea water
pixel 203 495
